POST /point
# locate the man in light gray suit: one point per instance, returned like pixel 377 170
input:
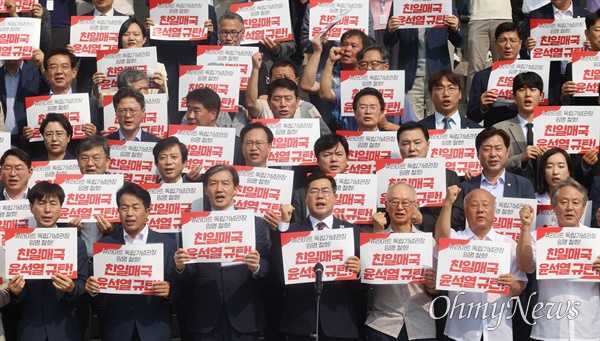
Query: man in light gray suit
pixel 527 92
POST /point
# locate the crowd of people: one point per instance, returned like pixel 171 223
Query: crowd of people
pixel 248 301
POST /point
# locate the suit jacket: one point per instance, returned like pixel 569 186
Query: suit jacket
pixel 595 198
pixel 429 123
pixel 515 186
pixel 231 290
pixel 436 48
pixel 431 214
pixel 518 144
pixel 47 313
pixel 338 316
pixel 31 83
pixel 547 12
pixel 494 114
pixel 146 136
pixel 592 100
pixel 150 314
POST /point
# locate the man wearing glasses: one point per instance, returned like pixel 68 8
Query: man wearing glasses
pixel 445 92
pixel 338 316
pixel 16 171
pixel 130 108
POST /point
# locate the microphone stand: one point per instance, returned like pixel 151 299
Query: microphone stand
pixel 318 290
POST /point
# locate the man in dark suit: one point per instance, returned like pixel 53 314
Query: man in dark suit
pixel 492 150
pixel 556 9
pixel 338 316
pixel 444 88
pixel 170 157
pixel 437 56
pixel 225 302
pixel 138 317
pixel 130 108
pixel 48 307
pixel 483 105
pixel 16 171
pixel 23 80
pixel 527 91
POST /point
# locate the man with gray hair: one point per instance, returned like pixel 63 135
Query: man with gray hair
pixel 479 207
pixel 135 79
pixel 568 201
pixel 401 311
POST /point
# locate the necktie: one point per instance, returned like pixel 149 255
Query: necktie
pixel 321 225
pixel 529 134
pixel 446 122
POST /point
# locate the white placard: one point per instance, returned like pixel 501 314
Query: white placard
pixel 586 73
pixel 547 218
pixel 422 13
pixel 427 176
pixel 179 19
pixel 472 265
pixel 366 147
pixel 355 199
pixel 223 80
pixel 263 190
pixel 230 56
pixel 389 83
pixel 293 141
pixel 76 107
pixel 507 221
pixel 169 201
pixel 15 214
pixel 22 6
pixel 47 170
pixel 395 258
pixel 334 17
pixel 4 142
pixel 207 146
pixel 90 34
pixel 155 120
pixel 19 37
pixel 218 236
pixel 557 39
pixel 504 72
pixel 457 147
pixel 39 253
pixel 267 19
pixel 330 247
pixel 134 160
pixel 128 269
pixel 575 129
pixel 113 62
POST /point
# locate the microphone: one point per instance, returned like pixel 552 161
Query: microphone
pixel 318 278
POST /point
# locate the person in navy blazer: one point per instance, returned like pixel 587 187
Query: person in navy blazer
pixel 138 317
pixel 547 12
pixel 338 316
pixel 225 302
pixel 48 306
pixel 445 91
pixel 130 108
pixel 492 150
pixel 436 47
pixel 31 83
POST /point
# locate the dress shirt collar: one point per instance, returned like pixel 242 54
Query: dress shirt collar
pixel 110 13
pixel 566 14
pixel 501 179
pixel 491 235
pixel 22 196
pixel 68 92
pixel 413 229
pixel 454 120
pixel 19 69
pixel 138 136
pixel 328 221
pixel 141 238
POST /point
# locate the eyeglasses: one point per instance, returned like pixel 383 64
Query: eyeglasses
pixel 451 89
pixel 59 134
pixel 233 34
pixel 258 144
pixel 9 170
pixel 373 64
pixel 364 107
pixel 325 191
pixel 124 111
pixel 404 203
pixel 96 159
pixel 55 67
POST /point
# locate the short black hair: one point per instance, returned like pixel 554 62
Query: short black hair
pixel 92 142
pixel 209 99
pixel 231 16
pixel 256 125
pixel 283 83
pixel 318 175
pixel 368 92
pixel 167 143
pixel 125 27
pixel 528 79
pixel 364 38
pixel 490 132
pixel 285 62
pixel 435 79
pixel 590 19
pixel 45 189
pixel 60 119
pixel 329 141
pixel 136 191
pixel 60 51
pixel 18 153
pixel 127 92
pixel 412 126
pixel 219 168
pixel 508 26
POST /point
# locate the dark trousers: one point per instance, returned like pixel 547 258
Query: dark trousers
pixel 224 331
pixel 374 335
